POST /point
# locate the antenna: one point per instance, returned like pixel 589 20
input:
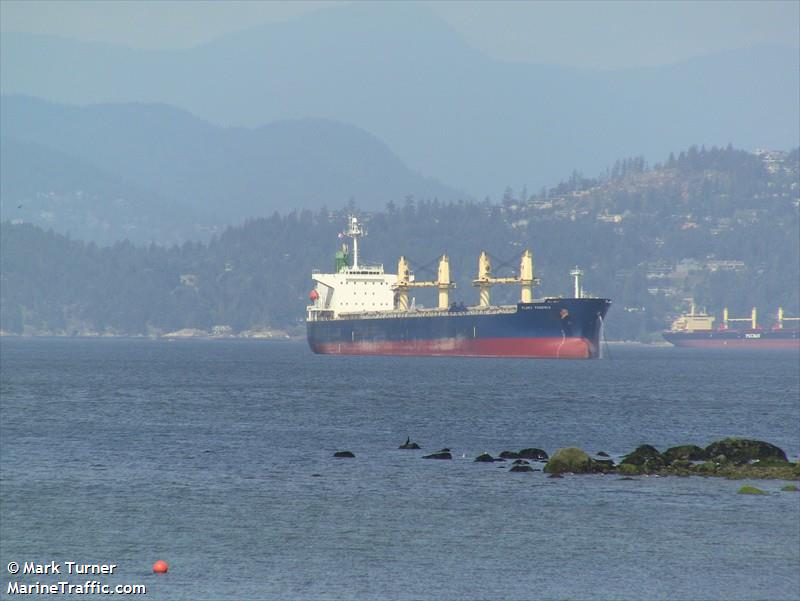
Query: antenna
pixel 355 231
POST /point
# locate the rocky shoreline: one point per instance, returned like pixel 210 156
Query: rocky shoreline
pixel 731 458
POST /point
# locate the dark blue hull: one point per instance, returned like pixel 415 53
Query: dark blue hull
pixel 553 328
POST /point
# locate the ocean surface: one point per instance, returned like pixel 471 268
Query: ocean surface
pixel 216 456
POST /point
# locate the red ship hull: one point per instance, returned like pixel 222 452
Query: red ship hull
pixel 776 340
pixel 740 344
pixel 538 348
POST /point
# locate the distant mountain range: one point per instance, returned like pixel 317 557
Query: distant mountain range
pixel 398 71
pixel 153 172
pixel 57 191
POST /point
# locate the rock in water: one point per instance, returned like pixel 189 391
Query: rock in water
pixel 602 465
pixel 571 459
pixel 743 450
pixel 790 488
pixel 751 490
pixel 344 454
pixel 509 455
pixel 408 444
pixel 520 462
pixel 602 454
pixel 521 468
pixel 686 452
pixel 709 468
pixel 646 457
pixel 439 455
pixel 629 469
pixel 533 453
pixel 484 458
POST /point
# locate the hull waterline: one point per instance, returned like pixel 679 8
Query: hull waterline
pixel 780 340
pixel 551 329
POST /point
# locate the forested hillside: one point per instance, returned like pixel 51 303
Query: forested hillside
pixel 719 225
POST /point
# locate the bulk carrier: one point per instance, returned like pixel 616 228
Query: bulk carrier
pixel 696 330
pixel 360 310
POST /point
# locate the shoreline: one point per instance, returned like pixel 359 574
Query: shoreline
pixel 274 335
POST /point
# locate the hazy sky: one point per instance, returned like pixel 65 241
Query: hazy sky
pixel 586 34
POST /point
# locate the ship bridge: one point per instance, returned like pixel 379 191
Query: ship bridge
pixel 354 288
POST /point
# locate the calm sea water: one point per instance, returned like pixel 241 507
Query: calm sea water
pixel 217 457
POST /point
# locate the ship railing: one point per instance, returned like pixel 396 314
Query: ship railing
pixel 315 314
pixel 365 270
pixel 500 310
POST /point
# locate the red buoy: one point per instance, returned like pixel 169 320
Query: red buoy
pixel 160 567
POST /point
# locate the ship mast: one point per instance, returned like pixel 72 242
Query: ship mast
pixel 355 230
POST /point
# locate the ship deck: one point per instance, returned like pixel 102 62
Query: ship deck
pixel 419 313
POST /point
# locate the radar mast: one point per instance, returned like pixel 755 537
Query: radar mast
pixel 355 231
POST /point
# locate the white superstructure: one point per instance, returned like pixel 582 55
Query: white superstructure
pixel 354 288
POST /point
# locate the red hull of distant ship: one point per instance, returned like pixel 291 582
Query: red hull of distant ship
pixel 775 340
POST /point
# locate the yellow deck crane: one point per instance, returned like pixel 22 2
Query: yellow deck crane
pixel 485 281
pixel 782 318
pixel 752 319
pixel 405 281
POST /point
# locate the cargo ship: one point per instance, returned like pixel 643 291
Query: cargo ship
pixel 361 310
pixel 696 330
